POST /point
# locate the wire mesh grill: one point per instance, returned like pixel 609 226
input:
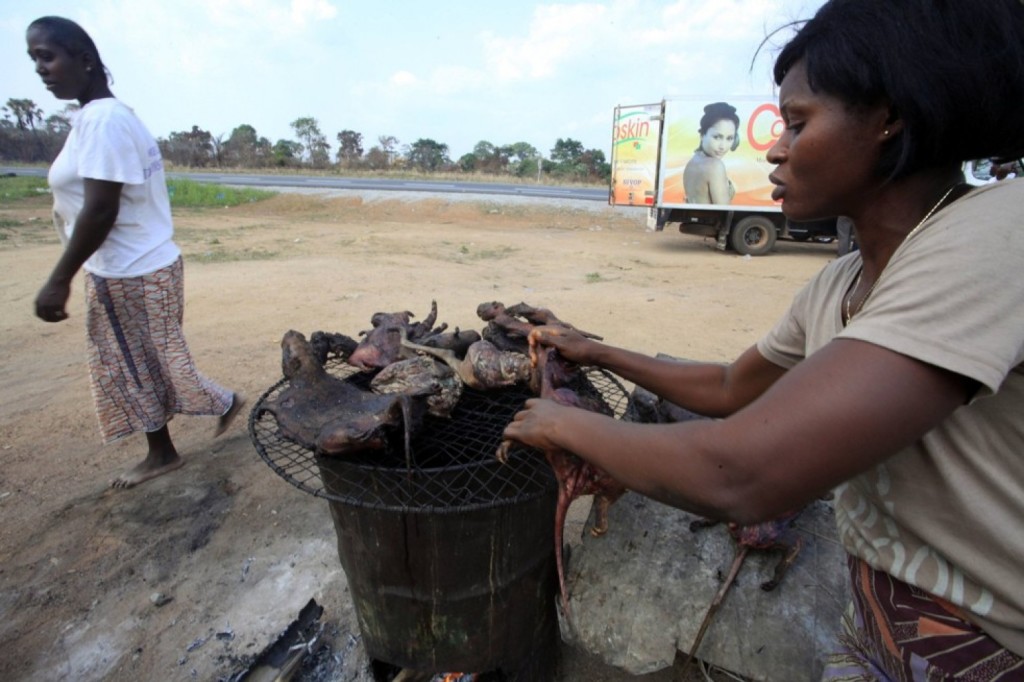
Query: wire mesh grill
pixel 453 460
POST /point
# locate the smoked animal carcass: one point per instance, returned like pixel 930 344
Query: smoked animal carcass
pixel 508 327
pixel 646 407
pixel 327 344
pixel 382 344
pixel 457 341
pixel 566 384
pixel 425 376
pixel 773 535
pixel 485 367
pixel 543 316
pixel 333 416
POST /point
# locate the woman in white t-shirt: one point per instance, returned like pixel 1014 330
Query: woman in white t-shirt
pixel 896 377
pixel 113 215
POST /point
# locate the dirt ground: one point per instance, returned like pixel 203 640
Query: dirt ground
pixel 190 575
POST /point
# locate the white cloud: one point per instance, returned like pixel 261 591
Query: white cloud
pixel 451 80
pixel 203 37
pixel 556 34
pixel 278 18
pixel 304 12
pixel 620 33
pixel 443 81
pixel 403 79
pixel 568 65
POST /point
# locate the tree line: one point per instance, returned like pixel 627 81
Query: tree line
pixel 27 136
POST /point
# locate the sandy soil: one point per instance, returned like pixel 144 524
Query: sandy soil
pixel 234 547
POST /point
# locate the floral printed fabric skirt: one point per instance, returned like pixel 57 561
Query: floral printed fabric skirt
pixel 142 371
pixel 896 632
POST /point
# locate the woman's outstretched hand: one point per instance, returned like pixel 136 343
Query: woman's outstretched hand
pixel 569 343
pixel 52 301
pixel 535 424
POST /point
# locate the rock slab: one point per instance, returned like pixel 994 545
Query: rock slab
pixel 639 594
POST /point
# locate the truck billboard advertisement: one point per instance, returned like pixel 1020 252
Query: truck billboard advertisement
pixel 700 164
pixel 713 153
pixel 635 136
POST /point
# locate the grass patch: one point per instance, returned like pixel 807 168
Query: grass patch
pixel 467 254
pixel 189 234
pixel 184 193
pixel 21 187
pixel 594 277
pixel 497 208
pixel 190 194
pixel 20 232
pixel 224 256
pixel 398 174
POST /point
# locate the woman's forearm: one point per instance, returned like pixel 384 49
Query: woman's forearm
pixel 94 222
pixel 673 463
pixel 90 233
pixel 710 389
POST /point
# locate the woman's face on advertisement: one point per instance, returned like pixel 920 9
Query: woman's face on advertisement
pixel 717 140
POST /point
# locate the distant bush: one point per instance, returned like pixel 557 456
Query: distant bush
pixel 191 194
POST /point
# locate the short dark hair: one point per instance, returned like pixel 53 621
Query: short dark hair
pixel 72 38
pixel 951 70
pixel 715 112
pixel 718 111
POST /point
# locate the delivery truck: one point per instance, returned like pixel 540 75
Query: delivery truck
pixel 698 164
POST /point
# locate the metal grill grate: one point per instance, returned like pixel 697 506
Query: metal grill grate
pixel 454 467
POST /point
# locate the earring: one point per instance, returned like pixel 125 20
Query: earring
pixel 886 133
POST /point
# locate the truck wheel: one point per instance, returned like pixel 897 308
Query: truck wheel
pixel 753 236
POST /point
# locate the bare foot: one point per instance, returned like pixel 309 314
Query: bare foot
pixel 145 470
pixel 237 403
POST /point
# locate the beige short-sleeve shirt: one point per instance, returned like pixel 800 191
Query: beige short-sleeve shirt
pixel 947 513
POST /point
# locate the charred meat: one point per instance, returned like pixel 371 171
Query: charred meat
pixel 327 344
pixel 485 367
pixel 542 316
pixel 423 376
pixel 382 344
pixel 457 341
pixel 566 384
pixel 508 327
pixel 333 416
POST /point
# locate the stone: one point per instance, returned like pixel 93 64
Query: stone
pixel 639 594
pixel 160 599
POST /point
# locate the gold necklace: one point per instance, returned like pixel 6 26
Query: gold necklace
pixel 848 314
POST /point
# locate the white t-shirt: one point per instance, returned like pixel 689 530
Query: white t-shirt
pixel 108 142
pixel 945 514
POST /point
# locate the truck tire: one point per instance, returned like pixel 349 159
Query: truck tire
pixel 753 236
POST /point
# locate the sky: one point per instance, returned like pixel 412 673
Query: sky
pixel 454 71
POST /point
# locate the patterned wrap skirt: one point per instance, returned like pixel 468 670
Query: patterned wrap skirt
pixel 896 632
pixel 142 371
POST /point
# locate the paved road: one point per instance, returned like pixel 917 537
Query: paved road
pixel 377 184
